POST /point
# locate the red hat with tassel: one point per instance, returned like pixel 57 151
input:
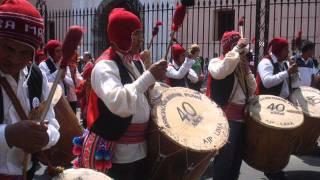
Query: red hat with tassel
pixel 121 25
pixel 229 40
pixel 176 51
pixel 277 44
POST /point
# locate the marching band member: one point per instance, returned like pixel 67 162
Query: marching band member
pixel 275 77
pixel 19 40
pixel 118 109
pixel 307 65
pixel 225 88
pixel 179 72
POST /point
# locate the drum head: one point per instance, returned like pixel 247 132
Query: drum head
pixel 309 100
pixel 191 120
pixel 275 112
pixel 84 174
pixel 57 95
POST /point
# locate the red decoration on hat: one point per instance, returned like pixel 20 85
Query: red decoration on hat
pixel 178 17
pixel 229 40
pixel 121 25
pixel 176 51
pixel 21 21
pixel 51 46
pixel 277 44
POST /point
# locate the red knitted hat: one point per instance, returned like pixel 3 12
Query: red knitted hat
pixel 229 40
pixel 50 46
pixel 277 44
pixel 176 51
pixel 20 21
pixel 121 25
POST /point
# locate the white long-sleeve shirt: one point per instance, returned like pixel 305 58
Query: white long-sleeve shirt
pixel 220 69
pixel 306 70
pixel 124 101
pixel 11 159
pixel 182 71
pixel 265 69
pixel 51 77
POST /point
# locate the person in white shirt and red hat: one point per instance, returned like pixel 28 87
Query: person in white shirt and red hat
pixel 275 77
pixel 21 32
pixel 225 88
pixel 118 109
pixel 179 72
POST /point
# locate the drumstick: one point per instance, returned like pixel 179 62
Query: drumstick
pixel 69 46
pixel 155 32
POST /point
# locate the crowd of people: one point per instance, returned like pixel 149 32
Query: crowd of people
pixel 112 91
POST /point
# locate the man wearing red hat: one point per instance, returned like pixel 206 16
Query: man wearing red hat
pixel 50 66
pixel 225 87
pixel 275 76
pixel 118 109
pixel 179 72
pixel 21 32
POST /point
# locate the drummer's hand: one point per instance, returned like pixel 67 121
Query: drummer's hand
pixel 242 43
pixel 27 135
pixel 158 69
pixel 293 68
pixel 317 78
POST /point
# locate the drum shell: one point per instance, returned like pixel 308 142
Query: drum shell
pixel 173 167
pixel 267 149
pixel 61 153
pixel 307 136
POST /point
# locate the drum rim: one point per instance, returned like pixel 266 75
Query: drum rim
pixel 304 111
pixel 217 147
pixel 248 114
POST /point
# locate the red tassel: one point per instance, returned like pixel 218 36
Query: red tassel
pixel 75 163
pixel 76 150
pixel 99 165
pixel 241 21
pixel 108 164
pixel 178 17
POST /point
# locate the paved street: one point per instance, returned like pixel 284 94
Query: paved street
pixel 299 168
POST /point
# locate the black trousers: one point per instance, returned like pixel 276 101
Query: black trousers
pixel 130 171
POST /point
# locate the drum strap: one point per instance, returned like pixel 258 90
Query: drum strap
pixel 14 99
pixel 34 90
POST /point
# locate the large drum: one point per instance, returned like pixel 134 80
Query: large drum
pixel 186 131
pixel 81 174
pixel 309 100
pixel 61 153
pixel 271 122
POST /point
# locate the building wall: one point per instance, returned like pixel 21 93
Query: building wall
pixel 203 22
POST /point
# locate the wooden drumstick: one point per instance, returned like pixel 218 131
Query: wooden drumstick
pixel 70 44
pixel 155 32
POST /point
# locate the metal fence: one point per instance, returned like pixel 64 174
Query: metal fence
pixel 204 23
